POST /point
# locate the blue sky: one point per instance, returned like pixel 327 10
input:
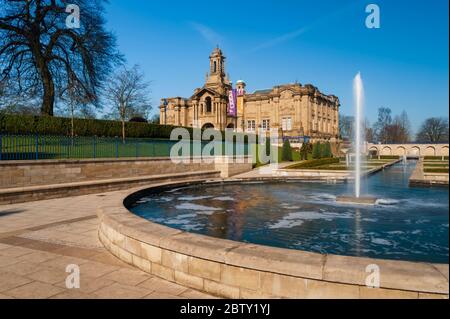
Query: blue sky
pixel 404 64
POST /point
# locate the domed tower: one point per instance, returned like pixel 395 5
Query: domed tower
pixel 217 78
pixel 240 87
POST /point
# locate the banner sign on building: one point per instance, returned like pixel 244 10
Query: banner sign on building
pixel 232 101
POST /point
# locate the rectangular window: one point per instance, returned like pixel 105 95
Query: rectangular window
pixel 251 126
pixel 266 125
pixel 286 124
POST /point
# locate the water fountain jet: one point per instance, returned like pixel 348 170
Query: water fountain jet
pixel 358 91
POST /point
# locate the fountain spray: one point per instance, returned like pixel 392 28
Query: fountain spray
pixel 358 90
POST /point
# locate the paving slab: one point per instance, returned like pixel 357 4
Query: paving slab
pixel 42 238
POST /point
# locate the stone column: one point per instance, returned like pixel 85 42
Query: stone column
pixel 177 115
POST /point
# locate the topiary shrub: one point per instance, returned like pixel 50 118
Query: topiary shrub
pixel 269 149
pixel 316 151
pixel 326 150
pixel 286 151
pixel 305 150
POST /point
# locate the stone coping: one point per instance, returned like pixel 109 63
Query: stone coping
pixel 329 173
pixel 212 159
pixel 158 177
pixel 41 192
pixel 241 270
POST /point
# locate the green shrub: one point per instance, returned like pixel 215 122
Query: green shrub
pixel 314 163
pixel 305 150
pixel 326 150
pixel 317 150
pixel 389 157
pixel 268 147
pixel 286 151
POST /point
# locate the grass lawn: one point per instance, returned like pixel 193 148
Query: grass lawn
pixel 435 170
pixel 342 166
pixel 30 147
pixel 54 147
pixel 435 165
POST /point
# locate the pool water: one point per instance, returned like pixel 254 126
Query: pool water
pixel 406 224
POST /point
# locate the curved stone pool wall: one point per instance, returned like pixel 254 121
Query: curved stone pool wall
pixel 239 270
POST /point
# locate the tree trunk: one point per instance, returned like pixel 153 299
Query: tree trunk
pixel 48 86
pixel 123 131
pixel 49 92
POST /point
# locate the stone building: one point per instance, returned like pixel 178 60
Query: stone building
pixel 295 110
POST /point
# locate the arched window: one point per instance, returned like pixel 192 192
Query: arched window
pixel 208 104
pixel 215 66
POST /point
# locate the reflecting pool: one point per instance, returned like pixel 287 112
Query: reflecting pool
pixel 407 223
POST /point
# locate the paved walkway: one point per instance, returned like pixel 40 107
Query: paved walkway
pixel 38 240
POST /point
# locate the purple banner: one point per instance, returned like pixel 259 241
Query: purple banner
pixel 232 98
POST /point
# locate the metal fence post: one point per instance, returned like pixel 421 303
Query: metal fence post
pixel 137 150
pixel 37 146
pixel 95 145
pixel 117 147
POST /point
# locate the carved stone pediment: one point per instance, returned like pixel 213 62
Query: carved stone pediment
pixel 199 94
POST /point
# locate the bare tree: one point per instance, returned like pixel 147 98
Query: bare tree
pixel 75 101
pixel 346 124
pixel 433 130
pixel 400 130
pixel 128 94
pixel 42 52
pixel 12 103
pixel 368 132
pixel 381 127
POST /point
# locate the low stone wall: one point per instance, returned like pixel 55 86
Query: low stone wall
pixel 441 178
pixel 41 192
pixel 314 174
pixel 230 166
pixel 239 270
pixel 329 175
pixel 46 172
pixel 420 178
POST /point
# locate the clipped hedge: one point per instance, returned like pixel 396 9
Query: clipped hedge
pixel 389 157
pixel 436 170
pixel 61 126
pixel 314 163
pixel 45 125
pixel 286 151
pixel 435 158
